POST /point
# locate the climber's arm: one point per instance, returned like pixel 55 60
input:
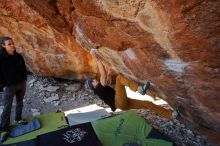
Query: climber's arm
pixel 104 75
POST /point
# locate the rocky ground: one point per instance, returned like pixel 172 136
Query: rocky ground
pixel 49 95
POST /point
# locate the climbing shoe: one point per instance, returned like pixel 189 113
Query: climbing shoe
pixel 3 136
pixel 21 122
pixel 176 114
pixel 143 88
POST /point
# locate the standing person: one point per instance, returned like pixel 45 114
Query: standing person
pixel 117 98
pixel 13 76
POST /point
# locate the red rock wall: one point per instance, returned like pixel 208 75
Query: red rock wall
pixel 44 38
pixel 175 44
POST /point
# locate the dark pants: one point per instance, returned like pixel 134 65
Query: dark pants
pixel 9 92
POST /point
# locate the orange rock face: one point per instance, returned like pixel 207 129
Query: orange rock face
pixel 175 44
pixel 44 39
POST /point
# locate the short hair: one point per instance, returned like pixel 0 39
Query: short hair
pixel 4 38
pixel 2 41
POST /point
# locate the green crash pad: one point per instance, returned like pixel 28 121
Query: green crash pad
pixel 127 129
pixel 49 122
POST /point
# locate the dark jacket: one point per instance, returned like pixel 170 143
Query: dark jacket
pixel 107 94
pixel 12 69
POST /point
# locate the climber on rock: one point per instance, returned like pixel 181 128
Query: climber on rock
pixel 117 98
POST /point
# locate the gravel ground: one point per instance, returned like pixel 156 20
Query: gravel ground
pixel 49 94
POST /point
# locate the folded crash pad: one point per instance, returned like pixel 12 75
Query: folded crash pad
pixel 79 118
pixel 78 135
pixel 22 129
pixel 125 130
pixel 49 122
pixel 86 114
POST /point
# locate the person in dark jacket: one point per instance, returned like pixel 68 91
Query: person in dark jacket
pixel 13 76
pixel 117 98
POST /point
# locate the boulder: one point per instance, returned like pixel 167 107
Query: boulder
pixel 175 44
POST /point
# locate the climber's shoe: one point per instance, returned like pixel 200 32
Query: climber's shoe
pixel 177 113
pixel 143 88
pixel 3 136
